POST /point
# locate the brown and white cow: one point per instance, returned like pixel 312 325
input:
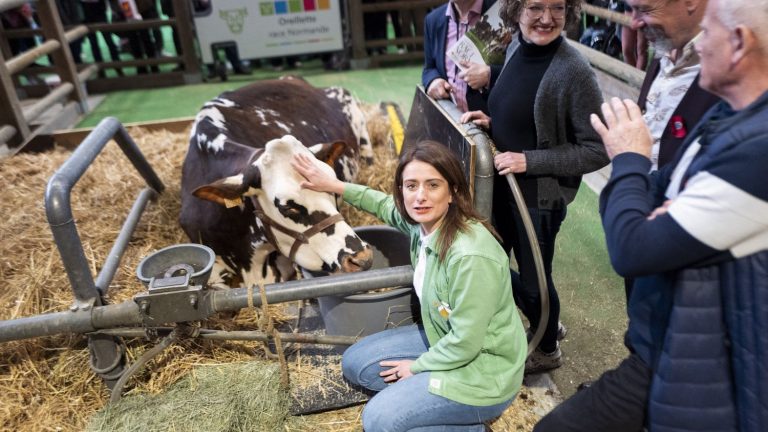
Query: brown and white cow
pixel 241 197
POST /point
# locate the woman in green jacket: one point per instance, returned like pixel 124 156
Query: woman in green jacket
pixel 464 366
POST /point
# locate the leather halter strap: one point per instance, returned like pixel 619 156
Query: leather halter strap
pixel 300 237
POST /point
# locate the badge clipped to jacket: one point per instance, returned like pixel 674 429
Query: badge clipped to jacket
pixel 444 309
pixel 677 125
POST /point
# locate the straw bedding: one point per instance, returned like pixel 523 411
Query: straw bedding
pixel 46 384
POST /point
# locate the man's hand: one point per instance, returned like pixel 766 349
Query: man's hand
pixel 477 117
pixel 439 89
pixel 510 163
pixel 476 75
pixel 624 130
pixel 399 369
pixel 658 211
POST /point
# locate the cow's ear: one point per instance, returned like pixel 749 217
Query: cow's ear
pixel 329 153
pixel 229 191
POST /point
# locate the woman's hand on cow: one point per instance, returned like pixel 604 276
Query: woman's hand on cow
pixel 510 163
pixel 624 130
pixel 477 117
pixel 476 75
pixel 398 369
pixel 316 179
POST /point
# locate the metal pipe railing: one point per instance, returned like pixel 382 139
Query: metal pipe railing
pixel 58 204
pixel 88 319
pixel 112 262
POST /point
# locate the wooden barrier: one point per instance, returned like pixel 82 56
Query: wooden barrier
pixel 15 123
pixel 416 9
pixel 12 117
pixel 606 14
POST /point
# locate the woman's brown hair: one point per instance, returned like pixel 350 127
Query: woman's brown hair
pixel 511 10
pixel 461 210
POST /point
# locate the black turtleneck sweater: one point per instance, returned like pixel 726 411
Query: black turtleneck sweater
pixel 511 106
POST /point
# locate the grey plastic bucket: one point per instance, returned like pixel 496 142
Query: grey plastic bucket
pixel 368 313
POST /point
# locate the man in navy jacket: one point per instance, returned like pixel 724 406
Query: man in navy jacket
pixel 696 234
pixel 695 237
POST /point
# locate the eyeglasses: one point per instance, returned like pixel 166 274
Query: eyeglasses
pixel 536 11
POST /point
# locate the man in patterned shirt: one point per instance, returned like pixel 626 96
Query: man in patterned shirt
pixel 670 97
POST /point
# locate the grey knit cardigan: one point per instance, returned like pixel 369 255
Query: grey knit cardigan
pixel 567 145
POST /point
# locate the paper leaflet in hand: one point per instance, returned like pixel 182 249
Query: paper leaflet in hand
pixel 486 42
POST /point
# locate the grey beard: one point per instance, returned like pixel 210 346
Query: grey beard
pixel 661 44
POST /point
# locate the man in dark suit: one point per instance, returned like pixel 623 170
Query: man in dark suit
pixel 441 77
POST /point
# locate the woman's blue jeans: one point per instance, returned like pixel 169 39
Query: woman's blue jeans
pixel 407 405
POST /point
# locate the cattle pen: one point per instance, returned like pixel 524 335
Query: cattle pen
pixel 43 378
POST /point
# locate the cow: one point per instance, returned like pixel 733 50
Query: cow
pixel 241 197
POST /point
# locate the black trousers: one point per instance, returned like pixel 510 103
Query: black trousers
pixel 525 288
pixel 616 402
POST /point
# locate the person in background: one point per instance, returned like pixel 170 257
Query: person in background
pixel 539 120
pixel 95 11
pixel 139 41
pixel 20 17
pixel 375 27
pixel 694 236
pixel 464 366
pixel 634 46
pixel 441 77
pixel 71 14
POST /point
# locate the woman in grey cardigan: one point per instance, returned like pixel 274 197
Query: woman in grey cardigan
pixel 539 119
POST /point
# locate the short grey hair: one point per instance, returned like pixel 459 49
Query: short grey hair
pixel 750 13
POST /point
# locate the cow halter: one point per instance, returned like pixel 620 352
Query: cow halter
pixel 300 237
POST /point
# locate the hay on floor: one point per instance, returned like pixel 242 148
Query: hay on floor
pixel 211 398
pixel 45 383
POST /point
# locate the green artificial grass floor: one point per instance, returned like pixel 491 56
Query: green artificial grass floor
pixel 372 86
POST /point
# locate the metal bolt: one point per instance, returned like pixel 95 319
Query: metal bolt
pixel 144 306
pixel 73 307
pixel 193 300
pixel 86 307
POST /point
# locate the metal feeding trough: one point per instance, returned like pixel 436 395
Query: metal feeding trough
pixel 188 263
pixel 368 313
pixel 175 278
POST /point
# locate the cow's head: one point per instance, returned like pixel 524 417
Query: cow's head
pixel 286 212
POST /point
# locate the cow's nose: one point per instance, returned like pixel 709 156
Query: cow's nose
pixel 362 260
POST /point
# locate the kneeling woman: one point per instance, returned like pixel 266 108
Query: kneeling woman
pixel 465 365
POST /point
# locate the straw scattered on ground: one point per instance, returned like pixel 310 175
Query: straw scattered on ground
pixel 45 383
pixel 211 398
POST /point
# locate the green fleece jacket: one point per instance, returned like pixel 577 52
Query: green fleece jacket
pixel 477 342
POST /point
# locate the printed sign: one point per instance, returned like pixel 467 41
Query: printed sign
pixel 263 29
